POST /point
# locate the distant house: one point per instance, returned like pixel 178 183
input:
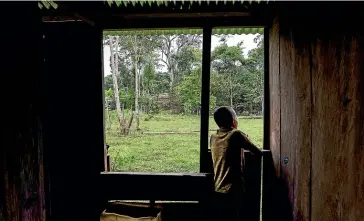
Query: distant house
pixel 163 100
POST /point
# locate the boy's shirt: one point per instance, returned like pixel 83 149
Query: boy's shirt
pixel 226 151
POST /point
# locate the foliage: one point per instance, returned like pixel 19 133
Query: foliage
pixel 190 92
pixel 169 71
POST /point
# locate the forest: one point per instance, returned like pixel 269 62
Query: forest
pixel 154 89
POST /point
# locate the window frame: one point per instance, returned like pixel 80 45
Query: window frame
pixel 205 90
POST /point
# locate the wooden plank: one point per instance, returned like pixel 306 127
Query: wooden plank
pixel 158 23
pixel 338 119
pixel 252 178
pixel 22 192
pixel 320 188
pixel 108 163
pixel 302 128
pixel 186 15
pixel 271 162
pixel 275 96
pixel 295 118
pixel 74 135
pixel 147 186
pixel 205 98
pixel 288 116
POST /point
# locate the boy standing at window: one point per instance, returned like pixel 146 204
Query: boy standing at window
pixel 226 147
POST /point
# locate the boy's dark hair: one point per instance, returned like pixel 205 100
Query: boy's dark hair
pixel 224 116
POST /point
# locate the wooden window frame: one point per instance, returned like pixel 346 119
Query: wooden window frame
pixel 198 180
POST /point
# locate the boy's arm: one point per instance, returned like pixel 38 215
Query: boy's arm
pixel 248 145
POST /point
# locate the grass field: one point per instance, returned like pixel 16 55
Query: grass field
pixel 168 152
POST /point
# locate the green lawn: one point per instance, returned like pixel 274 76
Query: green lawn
pixel 169 152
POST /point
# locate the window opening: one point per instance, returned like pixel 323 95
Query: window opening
pixel 237 78
pixel 152 122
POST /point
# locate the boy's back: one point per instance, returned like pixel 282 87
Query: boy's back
pixel 226 150
pixel 226 158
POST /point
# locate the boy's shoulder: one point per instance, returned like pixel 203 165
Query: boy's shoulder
pixel 238 134
pixel 231 134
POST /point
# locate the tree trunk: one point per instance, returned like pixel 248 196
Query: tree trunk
pixel 136 94
pixel 108 116
pixel 115 84
pixel 128 124
pixel 231 92
pixel 262 104
pixel 262 94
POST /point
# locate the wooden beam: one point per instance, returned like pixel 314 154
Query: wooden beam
pixel 252 179
pixel 60 19
pixel 185 15
pixel 158 23
pixel 80 151
pixel 271 162
pixel 155 186
pixel 205 97
pixel 23 186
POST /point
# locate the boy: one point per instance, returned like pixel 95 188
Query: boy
pixel 226 146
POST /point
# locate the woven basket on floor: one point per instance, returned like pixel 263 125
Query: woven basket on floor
pixel 124 215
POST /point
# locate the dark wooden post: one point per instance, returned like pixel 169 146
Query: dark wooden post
pixel 108 163
pixel 205 98
pixel 74 118
pixel 252 178
pixel 22 184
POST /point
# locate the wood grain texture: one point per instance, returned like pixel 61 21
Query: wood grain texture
pixel 271 161
pixel 338 153
pixel 275 98
pixel 296 106
pixel 288 116
pixel 321 121
pixel 301 128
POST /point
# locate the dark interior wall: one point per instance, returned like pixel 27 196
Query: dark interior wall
pixel 22 184
pixel 317 114
pixel 52 145
pixel 73 124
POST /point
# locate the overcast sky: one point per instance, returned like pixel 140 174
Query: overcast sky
pixel 233 40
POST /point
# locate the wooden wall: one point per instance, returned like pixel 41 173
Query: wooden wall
pixel 73 125
pixel 51 154
pixel 317 112
pixel 22 186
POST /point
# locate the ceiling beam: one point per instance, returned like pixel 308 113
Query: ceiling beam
pixel 186 15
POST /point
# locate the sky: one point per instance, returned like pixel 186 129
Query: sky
pixel 233 40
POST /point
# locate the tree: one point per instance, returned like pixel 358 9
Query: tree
pixel 136 48
pixel 148 83
pixel 172 51
pixel 255 66
pixel 113 44
pixel 108 98
pixel 228 62
pixel 190 92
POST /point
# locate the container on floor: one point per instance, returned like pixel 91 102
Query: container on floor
pixel 131 212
